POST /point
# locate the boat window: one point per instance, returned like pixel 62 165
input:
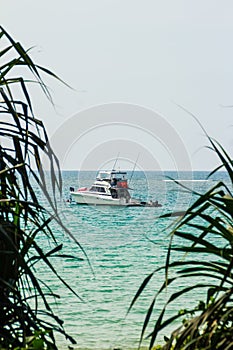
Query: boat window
pixel 101 189
pixel 97 189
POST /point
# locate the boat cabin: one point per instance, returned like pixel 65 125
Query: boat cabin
pixel 99 189
pixel 115 178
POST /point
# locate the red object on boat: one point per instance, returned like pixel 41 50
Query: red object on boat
pixel 122 184
pixel 82 189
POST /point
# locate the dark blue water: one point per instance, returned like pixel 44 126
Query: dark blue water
pixel 123 246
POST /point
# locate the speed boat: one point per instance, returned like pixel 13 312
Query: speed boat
pixel 109 188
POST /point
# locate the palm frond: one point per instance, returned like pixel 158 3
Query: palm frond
pixel 204 232
pixel 24 143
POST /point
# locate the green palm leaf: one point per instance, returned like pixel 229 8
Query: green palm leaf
pixel 22 219
pixel 203 232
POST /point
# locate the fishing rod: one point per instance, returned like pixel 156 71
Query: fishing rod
pixel 116 161
pixel 134 168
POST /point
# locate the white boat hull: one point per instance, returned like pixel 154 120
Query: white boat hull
pixel 110 188
pixel 93 199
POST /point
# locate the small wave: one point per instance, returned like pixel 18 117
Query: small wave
pixel 184 180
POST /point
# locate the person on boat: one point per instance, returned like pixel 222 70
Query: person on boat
pixel 114 181
pixel 114 193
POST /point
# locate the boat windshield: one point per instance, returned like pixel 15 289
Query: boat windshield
pixel 109 175
pixel 104 175
pixel 119 175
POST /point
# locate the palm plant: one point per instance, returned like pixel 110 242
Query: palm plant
pixel 204 236
pixel 22 217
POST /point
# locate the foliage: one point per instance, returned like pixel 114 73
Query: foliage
pixel 22 218
pixel 204 234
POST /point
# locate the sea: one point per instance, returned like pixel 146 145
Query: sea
pixel 114 250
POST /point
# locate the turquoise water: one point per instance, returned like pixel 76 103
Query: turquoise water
pixel 123 246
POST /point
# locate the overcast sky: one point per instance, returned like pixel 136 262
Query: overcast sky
pixel 141 58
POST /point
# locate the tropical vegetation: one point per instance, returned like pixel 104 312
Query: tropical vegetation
pixel 204 238
pixel 27 319
pixel 203 235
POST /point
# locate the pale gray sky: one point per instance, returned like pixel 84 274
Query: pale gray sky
pixel 154 54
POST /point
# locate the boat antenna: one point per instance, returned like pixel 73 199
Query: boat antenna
pixel 116 161
pixel 134 167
